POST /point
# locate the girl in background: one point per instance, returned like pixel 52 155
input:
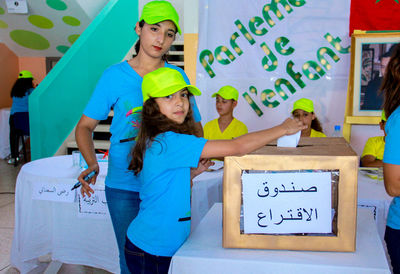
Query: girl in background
pixel 19 113
pixel 391 158
pixel 303 109
pixel 119 88
pixel 166 157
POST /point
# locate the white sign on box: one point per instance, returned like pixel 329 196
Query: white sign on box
pixel 287 202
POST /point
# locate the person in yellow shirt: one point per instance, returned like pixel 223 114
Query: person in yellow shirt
pixel 226 126
pixel 372 155
pixel 303 109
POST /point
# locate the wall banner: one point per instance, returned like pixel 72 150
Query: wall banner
pixel 274 52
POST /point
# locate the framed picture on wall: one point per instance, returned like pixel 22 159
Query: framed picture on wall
pixel 369 57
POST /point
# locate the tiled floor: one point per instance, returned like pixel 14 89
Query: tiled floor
pixel 8 176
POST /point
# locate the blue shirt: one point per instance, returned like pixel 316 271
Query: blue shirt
pixel 392 156
pixel 120 88
pixel 163 222
pixel 20 104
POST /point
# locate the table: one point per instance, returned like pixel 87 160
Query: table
pixel 203 253
pixel 206 190
pixel 372 195
pixel 4 133
pixel 43 227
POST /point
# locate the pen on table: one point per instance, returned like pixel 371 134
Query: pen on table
pixel 86 178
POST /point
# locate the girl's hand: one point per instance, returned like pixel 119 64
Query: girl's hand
pixel 204 164
pixel 292 126
pixel 85 188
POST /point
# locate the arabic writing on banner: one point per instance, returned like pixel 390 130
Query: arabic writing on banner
pixel 94 206
pixel 53 192
pixel 274 52
pixel 287 202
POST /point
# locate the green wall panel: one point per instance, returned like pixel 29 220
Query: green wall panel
pixel 58 102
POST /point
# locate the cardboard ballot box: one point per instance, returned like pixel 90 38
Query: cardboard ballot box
pixel 302 198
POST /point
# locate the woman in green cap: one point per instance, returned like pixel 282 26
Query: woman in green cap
pixel 119 89
pixel 303 109
pixel 19 113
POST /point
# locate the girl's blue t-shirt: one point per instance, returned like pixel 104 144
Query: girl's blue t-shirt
pixel 119 88
pixel 21 104
pixel 392 156
pixel 163 222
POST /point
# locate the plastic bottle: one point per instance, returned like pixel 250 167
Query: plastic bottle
pixel 337 132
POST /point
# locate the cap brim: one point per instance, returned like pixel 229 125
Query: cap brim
pixel 160 19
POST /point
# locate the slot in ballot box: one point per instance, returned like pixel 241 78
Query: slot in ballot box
pixel 302 198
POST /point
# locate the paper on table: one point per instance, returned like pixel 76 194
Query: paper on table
pixel 217 165
pixel 94 206
pixel 289 140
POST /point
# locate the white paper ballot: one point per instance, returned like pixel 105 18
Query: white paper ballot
pixel 289 140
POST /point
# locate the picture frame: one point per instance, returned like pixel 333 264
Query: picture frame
pixel 311 155
pixel 370 52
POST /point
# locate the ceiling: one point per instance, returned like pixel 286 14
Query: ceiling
pixel 49 28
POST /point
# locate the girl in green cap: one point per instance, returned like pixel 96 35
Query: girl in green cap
pixel 119 88
pixel 166 157
pixel 19 113
pixel 303 109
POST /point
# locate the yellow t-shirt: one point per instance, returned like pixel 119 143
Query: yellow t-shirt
pixel 315 133
pixel 234 129
pixel 374 146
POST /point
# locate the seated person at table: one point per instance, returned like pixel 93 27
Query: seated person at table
pixel 372 155
pixel 226 126
pixel 303 109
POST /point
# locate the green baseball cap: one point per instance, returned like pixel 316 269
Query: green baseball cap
pixel 383 116
pixel 158 11
pixel 303 104
pixel 227 92
pixel 25 74
pixel 163 82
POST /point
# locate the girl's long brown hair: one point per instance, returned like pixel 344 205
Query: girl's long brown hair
pixel 316 125
pixel 391 83
pixel 153 123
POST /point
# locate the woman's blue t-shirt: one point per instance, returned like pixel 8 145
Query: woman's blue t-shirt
pixel 20 104
pixel 163 222
pixel 119 88
pixel 392 156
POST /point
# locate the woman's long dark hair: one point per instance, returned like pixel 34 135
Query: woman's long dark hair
pixel 153 123
pixel 21 86
pixel 137 45
pixel 391 83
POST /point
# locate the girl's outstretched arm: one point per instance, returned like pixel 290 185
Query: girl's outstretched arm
pixel 249 142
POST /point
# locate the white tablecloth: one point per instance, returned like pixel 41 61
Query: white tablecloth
pixel 372 195
pixel 43 227
pixel 4 132
pixel 203 253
